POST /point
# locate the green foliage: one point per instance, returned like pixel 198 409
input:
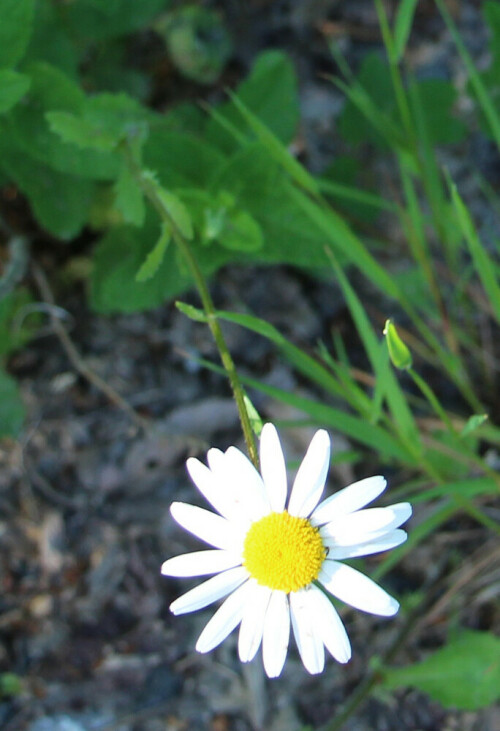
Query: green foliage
pixel 436 97
pixel 13 86
pixel 198 42
pixel 15 30
pixel 398 351
pixel 464 674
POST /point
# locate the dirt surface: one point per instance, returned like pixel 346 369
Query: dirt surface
pixel 85 494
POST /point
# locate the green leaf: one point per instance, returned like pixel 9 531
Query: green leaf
pixel 177 211
pixel 398 351
pixel 270 93
pixel 261 188
pixel 402 26
pixel 241 232
pixel 120 254
pixel 464 674
pixel 12 410
pixel 194 313
pixel 473 423
pixel 180 159
pixel 27 126
pixel 61 203
pixel 152 262
pixel 79 131
pixel 98 21
pixel 15 30
pixel 13 86
pixel 129 199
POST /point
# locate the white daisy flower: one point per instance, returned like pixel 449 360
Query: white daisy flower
pixel 278 565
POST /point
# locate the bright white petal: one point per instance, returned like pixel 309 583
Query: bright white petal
pixel 225 619
pixel 383 543
pixel 248 479
pixel 207 526
pixel 349 499
pixel 252 624
pixel 238 501
pixel 276 634
pixel 359 527
pixel 356 589
pixel 209 591
pixel 199 563
pixel 329 625
pixel 310 480
pixel 305 631
pixel 272 467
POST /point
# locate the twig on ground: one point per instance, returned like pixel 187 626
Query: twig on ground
pixel 75 357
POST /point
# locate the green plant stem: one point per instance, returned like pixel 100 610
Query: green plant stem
pixel 149 190
pixel 433 400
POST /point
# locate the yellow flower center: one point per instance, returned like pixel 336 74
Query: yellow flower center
pixel 283 552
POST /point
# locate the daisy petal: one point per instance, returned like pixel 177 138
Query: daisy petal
pixel 225 619
pixel 272 467
pixel 356 589
pixel 329 625
pixel 207 526
pixel 307 638
pixel 199 563
pixel 310 480
pixel 382 543
pixel 252 624
pixel 349 499
pixel 276 634
pixel 217 487
pixel 209 591
pixel 248 480
pixel 359 527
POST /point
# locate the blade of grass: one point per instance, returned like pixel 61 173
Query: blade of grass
pixel 484 265
pixel 477 84
pixel 402 27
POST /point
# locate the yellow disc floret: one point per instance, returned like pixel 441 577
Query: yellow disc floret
pixel 283 552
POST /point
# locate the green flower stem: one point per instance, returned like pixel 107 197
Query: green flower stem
pixel 433 401
pixel 149 189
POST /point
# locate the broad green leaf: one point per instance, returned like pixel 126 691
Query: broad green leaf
pixel 436 100
pixel 261 188
pixel 152 262
pixel 12 410
pixel 16 21
pixel 60 202
pixel 129 199
pixel 79 131
pixel 50 40
pixel 120 254
pixel 270 93
pixel 276 148
pixel 402 26
pixel 13 86
pixel 98 20
pixel 105 121
pixel 241 232
pixel 180 159
pixel 26 125
pixel 464 674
